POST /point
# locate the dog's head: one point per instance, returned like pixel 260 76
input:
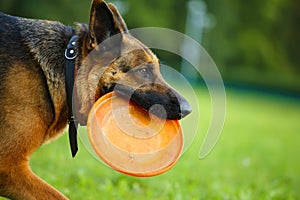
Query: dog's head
pixel 110 59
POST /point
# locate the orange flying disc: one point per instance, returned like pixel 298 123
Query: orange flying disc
pixel 131 140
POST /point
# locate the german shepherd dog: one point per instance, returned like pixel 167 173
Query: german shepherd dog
pixel 32 86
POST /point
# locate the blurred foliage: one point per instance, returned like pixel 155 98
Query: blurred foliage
pixel 257 41
pixel 66 11
pixel 253 42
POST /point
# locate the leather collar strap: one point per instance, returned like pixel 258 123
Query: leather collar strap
pixel 70 55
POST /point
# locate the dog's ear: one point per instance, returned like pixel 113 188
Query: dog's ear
pixel 119 21
pixel 105 21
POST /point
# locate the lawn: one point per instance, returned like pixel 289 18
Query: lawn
pixel 256 157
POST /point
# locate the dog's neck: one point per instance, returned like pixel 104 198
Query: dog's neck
pixel 48 52
pixel 47 41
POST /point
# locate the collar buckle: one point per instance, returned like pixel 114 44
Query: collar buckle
pixel 71 50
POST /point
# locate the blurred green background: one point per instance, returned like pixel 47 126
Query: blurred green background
pixel 256 47
pixel 253 43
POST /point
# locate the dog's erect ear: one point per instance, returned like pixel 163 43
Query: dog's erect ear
pixel 105 21
pixel 119 21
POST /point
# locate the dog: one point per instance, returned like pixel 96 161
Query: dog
pixel 33 96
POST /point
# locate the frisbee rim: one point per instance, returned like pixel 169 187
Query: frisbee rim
pixel 105 159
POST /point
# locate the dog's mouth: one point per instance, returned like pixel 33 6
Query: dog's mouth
pixel 159 100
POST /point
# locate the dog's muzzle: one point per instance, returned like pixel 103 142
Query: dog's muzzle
pixel 161 101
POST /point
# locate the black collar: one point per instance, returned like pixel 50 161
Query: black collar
pixel 70 56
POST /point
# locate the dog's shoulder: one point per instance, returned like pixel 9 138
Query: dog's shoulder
pixel 32 44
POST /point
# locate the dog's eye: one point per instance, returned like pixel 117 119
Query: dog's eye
pixel 143 71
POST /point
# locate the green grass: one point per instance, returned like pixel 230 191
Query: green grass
pixel 256 157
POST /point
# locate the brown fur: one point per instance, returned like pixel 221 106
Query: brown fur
pixel 32 87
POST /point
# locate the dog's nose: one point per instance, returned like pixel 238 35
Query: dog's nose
pixel 185 108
